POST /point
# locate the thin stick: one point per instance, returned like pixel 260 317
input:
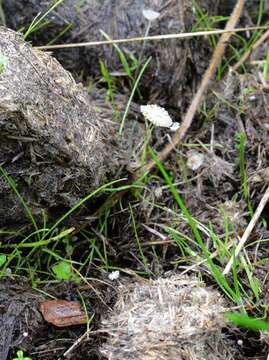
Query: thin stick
pixel 76 343
pixel 215 60
pixel 248 230
pixel 151 38
pixel 247 54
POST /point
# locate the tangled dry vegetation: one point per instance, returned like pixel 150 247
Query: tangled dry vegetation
pixel 169 318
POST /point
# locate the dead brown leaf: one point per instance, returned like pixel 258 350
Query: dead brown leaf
pixel 62 313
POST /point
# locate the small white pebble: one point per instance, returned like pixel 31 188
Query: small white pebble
pixel 195 160
pixel 114 275
pixel 25 334
pixel 150 15
pixel 240 342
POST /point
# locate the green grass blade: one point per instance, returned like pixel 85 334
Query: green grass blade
pixel 80 203
pixel 13 186
pixel 216 273
pixel 39 18
pixel 143 258
pixel 132 94
pixel 248 322
pixel 121 55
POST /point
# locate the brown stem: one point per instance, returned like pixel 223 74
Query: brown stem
pixel 248 231
pixel 247 54
pixel 215 60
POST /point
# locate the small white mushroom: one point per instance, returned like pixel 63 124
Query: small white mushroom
pixel 158 116
pixel 150 14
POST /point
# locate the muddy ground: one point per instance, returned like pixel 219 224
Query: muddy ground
pixel 238 103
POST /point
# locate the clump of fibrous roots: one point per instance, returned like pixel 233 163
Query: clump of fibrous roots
pixel 169 318
pixel 57 143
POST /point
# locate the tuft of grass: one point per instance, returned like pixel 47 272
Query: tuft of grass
pixel 231 293
pixel 247 322
pixel 206 23
pixel 35 252
pixel 49 251
pixel 39 21
pixel 245 44
pixel 129 68
pixel 132 95
pixel 238 290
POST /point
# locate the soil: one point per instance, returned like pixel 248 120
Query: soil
pixel 236 104
pixel 23 326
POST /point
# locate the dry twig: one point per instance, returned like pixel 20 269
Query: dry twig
pixel 247 54
pixel 150 38
pixel 248 230
pixel 216 58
